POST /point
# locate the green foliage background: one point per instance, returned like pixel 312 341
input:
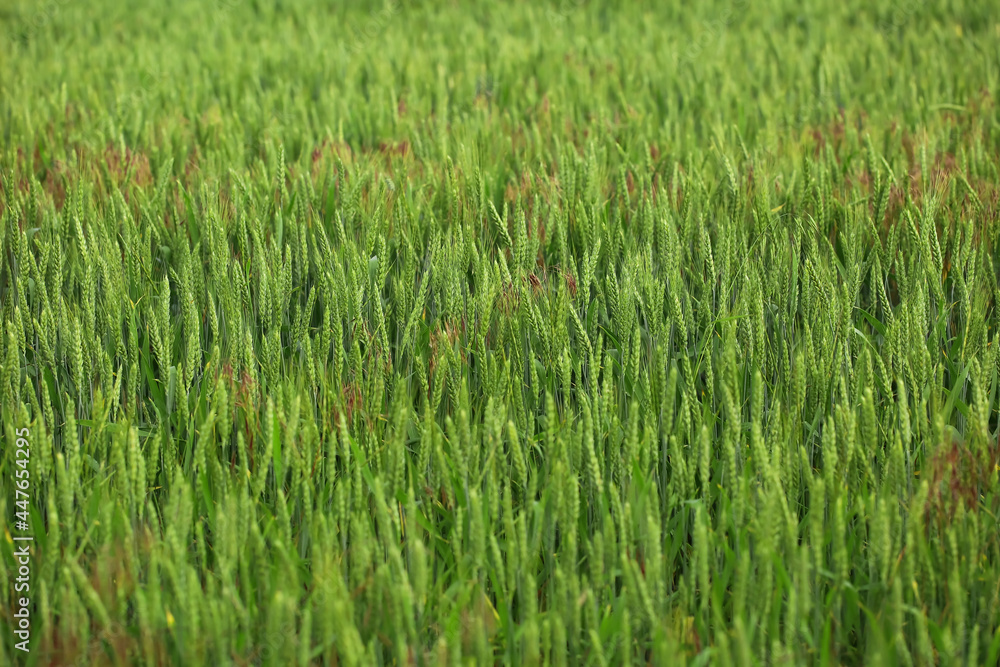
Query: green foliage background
pixel 562 333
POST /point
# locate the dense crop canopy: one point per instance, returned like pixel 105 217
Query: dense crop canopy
pixel 572 333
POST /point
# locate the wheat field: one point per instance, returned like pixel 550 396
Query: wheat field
pixel 587 332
